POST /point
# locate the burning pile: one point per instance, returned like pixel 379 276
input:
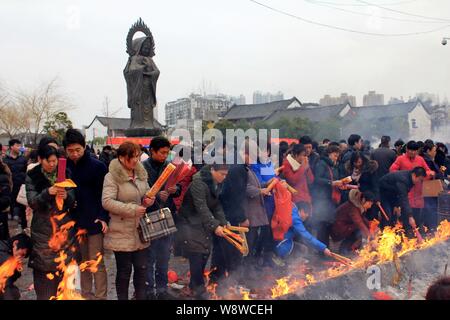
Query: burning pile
pixel 388 245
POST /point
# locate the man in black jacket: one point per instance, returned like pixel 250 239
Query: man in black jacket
pixel 88 174
pixel 384 156
pixel 159 250
pixel 394 189
pixel 18 247
pixel 225 257
pixel 18 166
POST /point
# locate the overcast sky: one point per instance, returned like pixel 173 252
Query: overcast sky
pixel 228 46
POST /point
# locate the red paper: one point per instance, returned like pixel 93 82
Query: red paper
pixel 62 162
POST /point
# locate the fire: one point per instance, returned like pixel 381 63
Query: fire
pixel 91 265
pixel 387 245
pixel 245 294
pixel 66 288
pixel 59 237
pixel 7 269
pixel 285 286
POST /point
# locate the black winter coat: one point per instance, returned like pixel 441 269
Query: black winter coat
pixel 18 167
pixel 323 206
pixel 385 157
pixel 395 186
pixel 200 214
pixel 88 174
pixel 5 192
pixel 234 194
pixel 44 206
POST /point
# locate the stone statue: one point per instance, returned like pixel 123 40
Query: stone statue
pixel 141 75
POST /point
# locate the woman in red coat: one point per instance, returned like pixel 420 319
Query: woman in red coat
pixel 298 174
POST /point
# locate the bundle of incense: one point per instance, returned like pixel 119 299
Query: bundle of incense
pixel 182 169
pixel 347 180
pixel 239 241
pixel 342 259
pixel 161 180
pixel 383 212
pixel 272 184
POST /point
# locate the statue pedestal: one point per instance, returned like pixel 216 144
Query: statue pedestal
pixel 143 132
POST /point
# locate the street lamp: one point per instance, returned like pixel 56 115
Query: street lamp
pixel 444 41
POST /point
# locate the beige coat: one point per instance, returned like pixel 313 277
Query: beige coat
pixel 121 196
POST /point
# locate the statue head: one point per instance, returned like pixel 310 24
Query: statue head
pixel 147 48
pixel 144 46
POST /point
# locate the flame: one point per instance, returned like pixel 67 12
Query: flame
pixel 91 265
pixel 387 244
pixel 7 269
pixel 66 287
pixel 245 294
pixel 59 237
pixel 81 235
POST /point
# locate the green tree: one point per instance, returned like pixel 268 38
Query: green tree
pixel 57 125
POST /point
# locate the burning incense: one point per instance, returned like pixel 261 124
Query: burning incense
pixel 62 182
pixel 383 212
pixel 342 259
pixel 161 180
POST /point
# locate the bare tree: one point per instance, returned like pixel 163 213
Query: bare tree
pixel 106 112
pixel 14 119
pixel 41 104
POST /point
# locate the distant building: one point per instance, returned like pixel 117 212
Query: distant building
pixel 259 97
pixel 102 127
pixel 197 107
pixel 259 111
pixel 409 120
pixel 237 100
pixel 373 99
pixel 394 100
pixel 328 100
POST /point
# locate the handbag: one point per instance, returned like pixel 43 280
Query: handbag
pixel 156 224
pixel 22 196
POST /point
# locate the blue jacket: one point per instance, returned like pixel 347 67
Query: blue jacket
pixel 88 175
pixel 285 246
pixel 265 172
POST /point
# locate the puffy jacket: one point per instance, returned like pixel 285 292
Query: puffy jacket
pixel 200 214
pixel 121 197
pixel 299 178
pixel 18 167
pixel 233 194
pixel 285 247
pixel 404 162
pixel 44 207
pixel 349 218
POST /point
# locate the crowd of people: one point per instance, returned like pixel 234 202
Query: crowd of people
pixel 333 191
